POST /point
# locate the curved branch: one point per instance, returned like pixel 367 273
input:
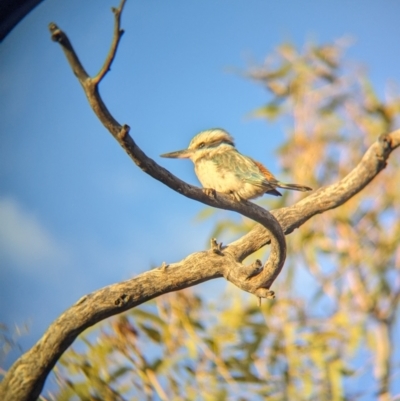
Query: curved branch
pixel 26 377
pixel 252 279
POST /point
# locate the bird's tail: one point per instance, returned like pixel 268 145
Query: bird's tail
pixel 295 187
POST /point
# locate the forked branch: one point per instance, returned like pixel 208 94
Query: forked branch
pixel 26 377
pixel 257 284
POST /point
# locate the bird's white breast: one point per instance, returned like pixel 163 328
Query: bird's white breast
pixel 224 180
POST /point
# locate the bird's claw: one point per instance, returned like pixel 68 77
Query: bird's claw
pixel 210 192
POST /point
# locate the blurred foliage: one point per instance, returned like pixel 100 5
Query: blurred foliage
pixel 9 340
pixel 329 335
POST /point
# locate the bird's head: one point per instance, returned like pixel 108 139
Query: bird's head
pixel 206 143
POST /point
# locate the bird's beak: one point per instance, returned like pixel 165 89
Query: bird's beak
pixel 179 154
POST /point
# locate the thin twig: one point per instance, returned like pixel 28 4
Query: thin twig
pixel 59 36
pixel 118 32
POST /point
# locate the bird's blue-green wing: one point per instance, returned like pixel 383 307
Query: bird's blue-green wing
pixel 244 168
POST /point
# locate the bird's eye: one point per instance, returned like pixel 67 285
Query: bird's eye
pixel 201 145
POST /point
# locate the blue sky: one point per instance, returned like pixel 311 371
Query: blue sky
pixel 75 213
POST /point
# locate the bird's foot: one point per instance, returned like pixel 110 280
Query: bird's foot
pixel 210 192
pixel 236 197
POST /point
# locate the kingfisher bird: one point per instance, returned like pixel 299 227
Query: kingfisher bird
pixel 220 167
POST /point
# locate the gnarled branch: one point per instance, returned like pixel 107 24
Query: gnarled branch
pixel 26 377
pixel 253 280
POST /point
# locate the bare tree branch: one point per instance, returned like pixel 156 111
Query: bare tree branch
pixel 253 278
pixel 118 32
pixel 26 378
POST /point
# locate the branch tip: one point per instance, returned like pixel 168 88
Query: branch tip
pixel 265 293
pixel 385 137
pixel 56 33
pixel 216 247
pixel 254 269
pixel 164 266
pixel 82 300
pixel 118 32
pixel 124 131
